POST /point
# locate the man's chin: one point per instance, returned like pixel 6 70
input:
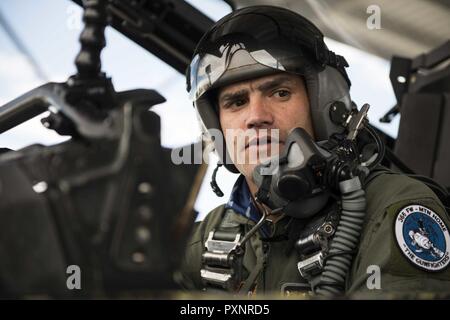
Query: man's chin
pixel 252 156
pixel 247 170
pixel 262 153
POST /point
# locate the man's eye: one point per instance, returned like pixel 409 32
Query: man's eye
pixel 239 102
pixel 236 103
pixel 281 93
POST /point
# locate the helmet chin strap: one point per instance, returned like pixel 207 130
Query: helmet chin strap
pixel 214 185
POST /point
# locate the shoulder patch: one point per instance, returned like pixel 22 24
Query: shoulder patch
pixel 423 237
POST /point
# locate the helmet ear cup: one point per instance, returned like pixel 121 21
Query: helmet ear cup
pixel 325 88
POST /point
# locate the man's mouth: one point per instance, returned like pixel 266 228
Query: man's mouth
pixel 262 141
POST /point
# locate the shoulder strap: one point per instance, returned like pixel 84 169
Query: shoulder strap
pixel 221 266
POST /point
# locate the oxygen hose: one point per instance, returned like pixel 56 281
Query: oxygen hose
pixel 339 259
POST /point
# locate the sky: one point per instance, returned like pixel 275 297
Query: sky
pixel 49 31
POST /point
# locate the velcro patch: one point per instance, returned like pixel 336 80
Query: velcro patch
pixel 423 237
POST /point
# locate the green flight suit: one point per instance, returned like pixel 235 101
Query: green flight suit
pixel 386 195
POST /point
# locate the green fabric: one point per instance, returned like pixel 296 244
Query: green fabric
pixel 386 195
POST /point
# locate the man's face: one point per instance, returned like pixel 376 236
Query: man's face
pixel 257 115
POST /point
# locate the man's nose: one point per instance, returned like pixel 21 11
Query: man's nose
pixel 260 115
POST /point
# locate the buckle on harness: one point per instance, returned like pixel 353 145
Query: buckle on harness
pixel 311 266
pixel 222 246
pixel 221 262
pixel 222 259
pixel 313 250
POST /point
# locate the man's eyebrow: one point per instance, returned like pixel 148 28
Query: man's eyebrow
pixel 273 83
pixel 233 95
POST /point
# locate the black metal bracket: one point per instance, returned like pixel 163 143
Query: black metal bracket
pixel 170 29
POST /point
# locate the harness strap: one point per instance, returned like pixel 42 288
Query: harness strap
pixel 221 266
pixel 251 280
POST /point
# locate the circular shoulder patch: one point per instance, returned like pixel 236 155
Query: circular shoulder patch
pixel 423 237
